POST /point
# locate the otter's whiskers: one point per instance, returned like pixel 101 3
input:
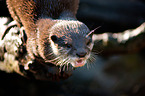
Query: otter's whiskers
pixel 91 60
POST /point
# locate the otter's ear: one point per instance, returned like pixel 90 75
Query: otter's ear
pixel 54 38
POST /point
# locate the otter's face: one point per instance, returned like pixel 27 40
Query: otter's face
pixel 71 43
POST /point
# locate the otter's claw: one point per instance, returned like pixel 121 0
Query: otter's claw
pixel 26 66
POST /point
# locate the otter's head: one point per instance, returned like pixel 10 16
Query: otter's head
pixel 71 43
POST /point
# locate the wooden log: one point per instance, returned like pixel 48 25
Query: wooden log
pixel 129 41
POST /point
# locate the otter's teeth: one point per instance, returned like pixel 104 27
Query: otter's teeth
pixel 79 63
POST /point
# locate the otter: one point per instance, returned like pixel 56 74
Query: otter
pixel 53 32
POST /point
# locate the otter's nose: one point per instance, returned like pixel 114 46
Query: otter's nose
pixel 81 54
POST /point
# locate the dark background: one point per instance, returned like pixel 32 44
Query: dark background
pixel 119 74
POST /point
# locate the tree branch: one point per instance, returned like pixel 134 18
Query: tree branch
pixel 123 42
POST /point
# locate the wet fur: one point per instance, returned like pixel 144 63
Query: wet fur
pixel 29 12
pixel 39 17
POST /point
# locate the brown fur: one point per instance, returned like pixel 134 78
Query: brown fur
pixel 45 20
pixel 29 12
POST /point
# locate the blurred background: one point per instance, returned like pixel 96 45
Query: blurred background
pixel 113 75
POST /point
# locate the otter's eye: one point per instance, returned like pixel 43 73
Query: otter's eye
pixel 54 38
pixel 68 45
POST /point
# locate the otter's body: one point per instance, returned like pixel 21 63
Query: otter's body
pixel 53 31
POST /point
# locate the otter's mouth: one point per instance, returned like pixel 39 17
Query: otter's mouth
pixel 79 63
